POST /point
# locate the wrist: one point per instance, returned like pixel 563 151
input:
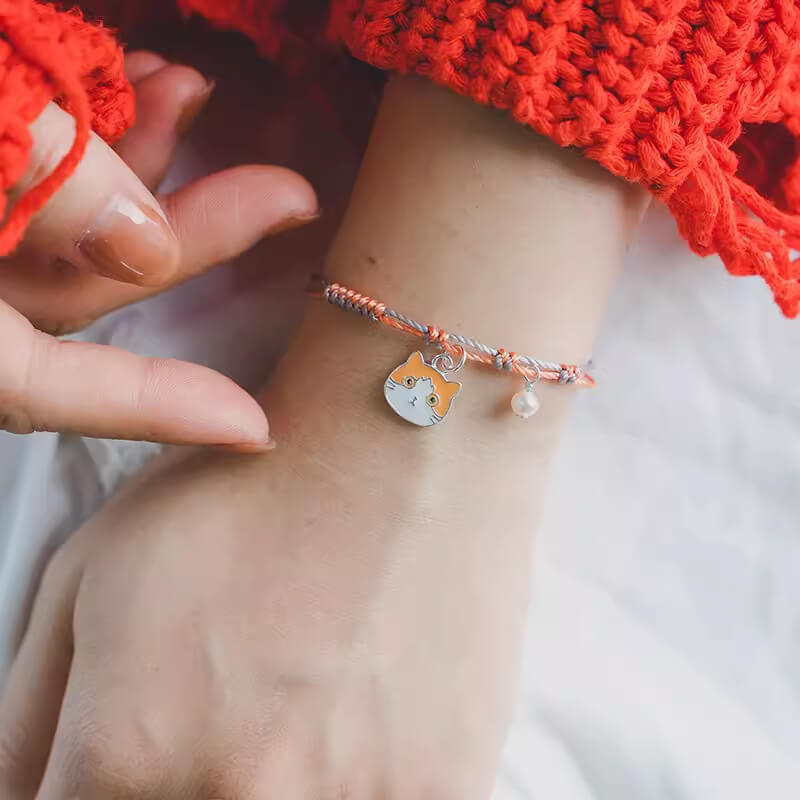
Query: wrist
pixel 484 227
pixel 336 430
pixel 487 230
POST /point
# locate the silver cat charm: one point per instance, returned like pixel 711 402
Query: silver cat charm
pixel 419 392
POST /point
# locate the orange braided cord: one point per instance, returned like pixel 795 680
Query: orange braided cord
pixel 531 369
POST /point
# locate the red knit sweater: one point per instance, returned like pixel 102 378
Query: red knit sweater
pixel 697 100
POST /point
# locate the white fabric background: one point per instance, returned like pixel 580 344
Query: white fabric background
pixel 663 651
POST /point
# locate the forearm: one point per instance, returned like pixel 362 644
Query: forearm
pixel 462 219
pixel 466 220
pixel 473 221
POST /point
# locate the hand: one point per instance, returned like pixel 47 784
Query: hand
pixel 248 628
pixel 342 618
pixel 104 241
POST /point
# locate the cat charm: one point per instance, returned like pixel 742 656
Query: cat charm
pixel 419 392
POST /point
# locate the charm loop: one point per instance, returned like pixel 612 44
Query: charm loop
pixel 447 362
pixel 531 382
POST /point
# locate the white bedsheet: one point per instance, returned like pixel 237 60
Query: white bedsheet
pixel 663 651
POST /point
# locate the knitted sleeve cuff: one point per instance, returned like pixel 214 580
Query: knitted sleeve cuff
pixel 697 100
pixel 671 94
pixel 47 54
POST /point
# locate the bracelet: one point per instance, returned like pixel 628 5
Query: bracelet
pixel 420 391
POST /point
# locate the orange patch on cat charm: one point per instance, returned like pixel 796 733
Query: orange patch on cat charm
pixel 420 392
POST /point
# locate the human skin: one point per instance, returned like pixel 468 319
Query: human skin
pixel 340 617
pixel 104 241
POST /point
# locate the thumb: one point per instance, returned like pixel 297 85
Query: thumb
pixel 103 219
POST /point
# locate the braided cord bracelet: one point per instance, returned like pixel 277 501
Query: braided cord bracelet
pixel 420 391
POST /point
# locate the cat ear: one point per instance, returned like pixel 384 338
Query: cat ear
pixel 449 390
pixel 416 360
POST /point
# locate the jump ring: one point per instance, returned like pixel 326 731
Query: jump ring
pixel 446 358
pixel 531 382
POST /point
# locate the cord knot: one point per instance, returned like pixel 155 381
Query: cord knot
pixel 434 335
pixel 505 359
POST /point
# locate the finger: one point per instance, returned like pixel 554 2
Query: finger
pixel 35 688
pixel 105 392
pixel 216 219
pixel 220 216
pixel 103 219
pixel 141 63
pixel 167 102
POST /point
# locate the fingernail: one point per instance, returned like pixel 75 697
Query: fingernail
pixel 131 242
pixel 193 107
pixel 251 447
pixel 294 221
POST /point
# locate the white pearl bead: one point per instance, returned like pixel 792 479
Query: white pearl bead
pixel 525 403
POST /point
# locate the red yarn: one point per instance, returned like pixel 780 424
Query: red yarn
pixel 45 55
pixel 657 91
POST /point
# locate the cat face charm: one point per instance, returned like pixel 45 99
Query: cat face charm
pixel 419 393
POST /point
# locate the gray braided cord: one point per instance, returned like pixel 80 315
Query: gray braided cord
pixel 536 364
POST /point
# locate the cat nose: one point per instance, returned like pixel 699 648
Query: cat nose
pixel 413 400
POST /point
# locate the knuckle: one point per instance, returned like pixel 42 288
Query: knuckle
pixel 16 378
pixel 93 767
pixel 16 422
pixel 237 777
pixel 105 766
pixel 56 326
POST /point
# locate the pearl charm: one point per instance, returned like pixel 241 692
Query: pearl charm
pixel 525 403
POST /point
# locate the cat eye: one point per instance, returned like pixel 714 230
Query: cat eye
pixel 432 400
pixel 409 382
